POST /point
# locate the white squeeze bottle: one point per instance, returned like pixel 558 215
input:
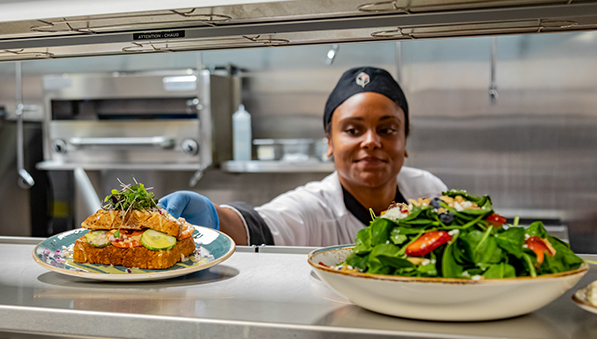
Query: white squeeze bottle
pixel 241 133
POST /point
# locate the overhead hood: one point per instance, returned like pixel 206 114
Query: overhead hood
pixel 85 29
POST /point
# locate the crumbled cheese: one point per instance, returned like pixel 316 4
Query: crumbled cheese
pixel 466 204
pixel 466 274
pixel 394 214
pixel 458 207
pixel 525 246
pixel 454 232
pixel 476 277
pixel 526 236
pixel 426 262
pixel 591 293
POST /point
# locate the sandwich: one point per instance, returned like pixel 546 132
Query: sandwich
pixel 131 230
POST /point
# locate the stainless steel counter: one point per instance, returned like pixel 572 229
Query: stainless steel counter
pixel 270 294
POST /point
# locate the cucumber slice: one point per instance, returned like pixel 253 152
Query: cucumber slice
pixel 157 241
pixel 97 238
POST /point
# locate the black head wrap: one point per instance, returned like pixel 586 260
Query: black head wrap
pixel 365 79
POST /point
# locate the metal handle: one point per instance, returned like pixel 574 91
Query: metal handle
pixel 159 141
pixel 25 180
pixel 493 91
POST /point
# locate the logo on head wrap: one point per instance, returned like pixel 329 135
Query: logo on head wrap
pixel 363 79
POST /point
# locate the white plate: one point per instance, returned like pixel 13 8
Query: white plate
pixel 213 247
pixel 441 298
pixel 580 298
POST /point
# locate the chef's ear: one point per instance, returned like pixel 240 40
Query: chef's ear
pixel 330 151
pixel 405 153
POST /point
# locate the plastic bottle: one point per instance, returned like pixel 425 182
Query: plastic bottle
pixel 241 132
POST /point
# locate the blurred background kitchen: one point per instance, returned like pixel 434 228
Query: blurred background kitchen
pixel 510 116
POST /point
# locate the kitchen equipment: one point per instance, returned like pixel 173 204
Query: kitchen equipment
pixel 144 120
pixel 291 150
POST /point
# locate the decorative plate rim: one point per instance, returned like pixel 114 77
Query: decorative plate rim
pixel 582 302
pixel 451 281
pixel 147 276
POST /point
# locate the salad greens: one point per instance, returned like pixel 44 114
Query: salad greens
pixel 130 197
pixel 457 235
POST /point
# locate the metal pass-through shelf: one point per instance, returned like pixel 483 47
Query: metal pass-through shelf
pixel 259 292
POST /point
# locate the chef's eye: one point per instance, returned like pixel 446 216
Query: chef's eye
pixel 351 131
pixel 387 130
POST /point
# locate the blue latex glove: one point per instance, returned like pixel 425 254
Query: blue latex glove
pixel 192 206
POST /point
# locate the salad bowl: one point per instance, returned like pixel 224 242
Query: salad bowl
pixel 443 299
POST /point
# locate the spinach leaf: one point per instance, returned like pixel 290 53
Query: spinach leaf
pixel 363 241
pixel 481 247
pixel 429 269
pixel 499 271
pixel 400 234
pixel 397 238
pixel 380 231
pixel 536 229
pixel 357 261
pixel 407 272
pixel 386 255
pixel 563 260
pixel 450 268
pixel 511 240
pixel 529 261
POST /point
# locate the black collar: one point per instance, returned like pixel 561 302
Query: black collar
pixel 358 210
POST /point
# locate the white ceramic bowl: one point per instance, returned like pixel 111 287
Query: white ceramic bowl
pixel 441 298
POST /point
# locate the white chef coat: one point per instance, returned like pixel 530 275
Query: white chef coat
pixel 315 214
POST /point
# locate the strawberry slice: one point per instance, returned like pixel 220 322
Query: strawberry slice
pixel 496 220
pixel 539 246
pixel 427 243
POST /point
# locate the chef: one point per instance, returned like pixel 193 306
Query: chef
pixel 366 124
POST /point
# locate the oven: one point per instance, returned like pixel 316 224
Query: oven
pixel 161 120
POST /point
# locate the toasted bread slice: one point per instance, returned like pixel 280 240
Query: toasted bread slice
pixel 160 221
pixel 139 256
pixel 102 220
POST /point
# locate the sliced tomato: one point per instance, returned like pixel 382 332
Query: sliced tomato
pixel 427 243
pixel 187 231
pixel 496 220
pixel 540 246
pixel 125 238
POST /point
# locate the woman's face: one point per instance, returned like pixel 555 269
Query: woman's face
pixel 368 140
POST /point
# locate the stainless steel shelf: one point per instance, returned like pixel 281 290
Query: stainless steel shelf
pixel 258 166
pixel 61 166
pixel 266 293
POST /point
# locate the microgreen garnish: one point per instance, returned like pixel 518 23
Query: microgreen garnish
pixel 130 197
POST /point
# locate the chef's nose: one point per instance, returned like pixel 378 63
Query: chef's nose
pixel 372 139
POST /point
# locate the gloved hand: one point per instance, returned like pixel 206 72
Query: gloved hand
pixel 192 206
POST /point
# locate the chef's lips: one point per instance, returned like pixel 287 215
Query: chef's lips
pixel 365 79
